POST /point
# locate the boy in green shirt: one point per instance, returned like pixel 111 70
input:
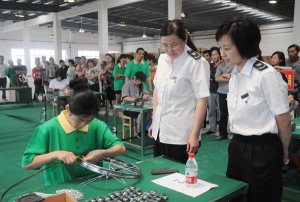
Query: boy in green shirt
pixel 139 65
pixel 11 74
pixel 75 132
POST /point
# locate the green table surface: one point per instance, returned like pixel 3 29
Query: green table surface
pixel 296 133
pixel 227 189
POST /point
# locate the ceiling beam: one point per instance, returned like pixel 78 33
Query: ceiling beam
pixel 9 5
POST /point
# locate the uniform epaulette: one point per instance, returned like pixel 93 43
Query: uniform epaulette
pixel 194 54
pixel 260 66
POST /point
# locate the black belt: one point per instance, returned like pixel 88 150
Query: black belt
pixel 254 137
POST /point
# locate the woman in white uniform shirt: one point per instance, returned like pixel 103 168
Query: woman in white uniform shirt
pixel 180 95
pixel 258 113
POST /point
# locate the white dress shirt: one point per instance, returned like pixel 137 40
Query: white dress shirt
pixel 179 85
pixel 255 97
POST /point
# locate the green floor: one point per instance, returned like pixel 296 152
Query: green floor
pixel 18 121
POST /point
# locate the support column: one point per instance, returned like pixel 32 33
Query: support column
pixel 26 45
pixel 102 27
pixel 174 9
pixel 296 26
pixel 57 37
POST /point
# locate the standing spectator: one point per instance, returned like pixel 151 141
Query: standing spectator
pixel 152 62
pixel 81 67
pixel 207 56
pixel 63 66
pixel 294 60
pixel 11 74
pixel 109 79
pixel 137 65
pixel 213 100
pixel 77 61
pixel 38 78
pixel 21 72
pixel 258 113
pixel 119 78
pixel 277 60
pixel 92 73
pixel 223 76
pixel 51 68
pixel 180 95
pixel 129 58
pixel 71 70
pixel 3 79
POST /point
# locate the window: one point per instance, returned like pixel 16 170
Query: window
pixel 88 54
pixel 17 54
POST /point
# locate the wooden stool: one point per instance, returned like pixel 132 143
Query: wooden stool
pixel 127 122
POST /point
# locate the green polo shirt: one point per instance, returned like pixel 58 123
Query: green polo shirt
pixel 11 73
pixel 119 82
pixel 134 67
pixel 57 134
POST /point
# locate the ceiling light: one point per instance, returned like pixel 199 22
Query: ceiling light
pixel 273 2
pixel 122 24
pixel 69 1
pixel 144 35
pixel 19 14
pixel 81 30
pixel 182 14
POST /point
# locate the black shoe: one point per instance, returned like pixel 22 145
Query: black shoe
pixel 221 137
pixel 208 132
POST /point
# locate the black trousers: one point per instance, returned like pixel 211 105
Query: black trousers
pixel 223 115
pixel 257 160
pixel 175 152
pixel 3 82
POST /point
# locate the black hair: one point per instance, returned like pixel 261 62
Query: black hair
pixel 130 57
pixel 207 52
pixel 72 62
pixel 122 56
pixel 79 84
pixel 138 49
pixel 294 46
pixel 140 76
pixel 91 61
pixel 60 73
pixel 244 33
pixel 146 55
pixel 281 57
pixel 177 27
pixel 258 56
pixel 61 61
pixel 83 101
pixel 77 57
pixel 1 56
pixel 152 58
pixel 214 48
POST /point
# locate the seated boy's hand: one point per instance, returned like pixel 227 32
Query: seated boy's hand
pixel 66 156
pixel 94 156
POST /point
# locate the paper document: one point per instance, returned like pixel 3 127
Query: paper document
pixel 176 181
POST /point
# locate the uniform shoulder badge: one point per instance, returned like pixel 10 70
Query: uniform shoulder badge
pixel 259 65
pixel 194 54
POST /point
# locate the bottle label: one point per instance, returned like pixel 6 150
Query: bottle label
pixel 191 179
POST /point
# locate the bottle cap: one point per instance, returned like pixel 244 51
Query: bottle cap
pixel 191 155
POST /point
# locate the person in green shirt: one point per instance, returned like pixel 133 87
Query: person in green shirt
pixel 11 73
pixel 119 78
pixel 75 132
pixel 139 65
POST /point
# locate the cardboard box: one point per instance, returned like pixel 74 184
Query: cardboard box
pixel 63 197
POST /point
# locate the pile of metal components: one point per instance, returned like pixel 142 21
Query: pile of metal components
pixel 131 194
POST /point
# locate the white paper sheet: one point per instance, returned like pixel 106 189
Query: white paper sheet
pixel 176 181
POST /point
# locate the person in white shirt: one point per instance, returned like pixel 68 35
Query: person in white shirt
pixel 180 95
pixel 60 83
pixel 258 113
pixel 3 79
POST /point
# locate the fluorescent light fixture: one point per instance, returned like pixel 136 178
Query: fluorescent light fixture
pixel 81 30
pixel 19 14
pixel 144 35
pixel 182 14
pixel 69 1
pixel 273 2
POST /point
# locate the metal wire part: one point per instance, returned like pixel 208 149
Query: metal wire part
pixel 116 168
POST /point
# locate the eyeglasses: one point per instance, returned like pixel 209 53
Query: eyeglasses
pixel 173 46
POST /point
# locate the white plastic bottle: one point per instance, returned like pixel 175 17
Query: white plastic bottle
pixel 191 171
